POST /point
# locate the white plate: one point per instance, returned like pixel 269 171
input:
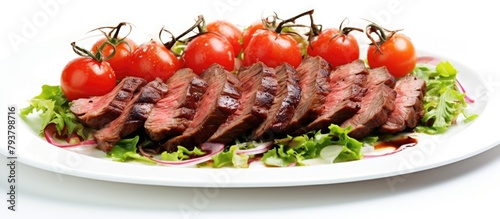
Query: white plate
pixel 460 142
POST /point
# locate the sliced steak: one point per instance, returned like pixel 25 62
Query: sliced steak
pixel 376 105
pixel 408 106
pixel 378 76
pixel 284 104
pixel 172 115
pixel 218 102
pixel 258 89
pixel 343 101
pixel 95 112
pixel 313 75
pixel 133 116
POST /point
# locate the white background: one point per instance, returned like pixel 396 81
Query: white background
pixel 31 33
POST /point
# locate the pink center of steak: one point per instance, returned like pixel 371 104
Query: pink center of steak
pixel 172 115
pixel 258 87
pixel 408 108
pixel 217 103
pixel 313 75
pixel 376 105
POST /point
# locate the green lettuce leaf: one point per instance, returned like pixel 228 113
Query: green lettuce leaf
pixel 443 103
pixel 126 149
pixel 182 153
pixel 230 158
pixel 53 107
pixel 307 146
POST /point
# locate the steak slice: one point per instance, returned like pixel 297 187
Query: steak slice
pixel 172 115
pixel 376 105
pixel 408 106
pixel 284 104
pixel 95 112
pixel 258 89
pixel 313 75
pixel 133 116
pixel 343 101
pixel 218 102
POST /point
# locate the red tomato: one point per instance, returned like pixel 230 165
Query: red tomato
pixel 85 77
pixel 121 59
pixel 207 49
pixel 272 49
pixel 151 60
pixel 232 33
pixel 397 54
pixel 249 31
pixel 335 47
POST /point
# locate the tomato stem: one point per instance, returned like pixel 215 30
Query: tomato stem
pixel 343 31
pixel 282 24
pixel 383 34
pixel 199 24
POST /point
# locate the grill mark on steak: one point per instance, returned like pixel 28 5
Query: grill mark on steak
pixel 346 85
pixel 172 114
pixel 408 110
pixel 133 116
pixel 313 75
pixel 283 106
pixel 96 112
pixel 376 105
pixel 218 102
pixel 258 89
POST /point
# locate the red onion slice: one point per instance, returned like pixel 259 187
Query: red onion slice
pixel 50 132
pixel 462 89
pixel 260 148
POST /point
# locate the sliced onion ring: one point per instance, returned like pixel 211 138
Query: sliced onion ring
pixel 50 132
pixel 260 148
pixel 211 149
pixel 462 89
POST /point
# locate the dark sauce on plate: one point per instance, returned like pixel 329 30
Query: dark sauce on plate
pixel 398 143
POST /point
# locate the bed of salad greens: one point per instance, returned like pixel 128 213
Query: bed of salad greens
pixel 444 102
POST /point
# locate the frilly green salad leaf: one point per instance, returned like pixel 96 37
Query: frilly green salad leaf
pixel 53 107
pixel 126 149
pixel 443 102
pixel 182 153
pixel 230 158
pixel 294 150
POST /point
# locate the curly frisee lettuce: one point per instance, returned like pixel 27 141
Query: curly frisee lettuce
pixel 443 102
pixel 53 107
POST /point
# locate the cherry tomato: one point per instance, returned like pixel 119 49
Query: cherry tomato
pixel 272 49
pixel 151 60
pixel 232 33
pixel 249 31
pixel 335 47
pixel 207 49
pixel 121 59
pixel 397 53
pixel 85 77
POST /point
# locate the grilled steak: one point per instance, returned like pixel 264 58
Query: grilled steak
pixel 95 112
pixel 218 102
pixel 408 106
pixel 258 89
pixel 173 114
pixel 313 75
pixel 133 116
pixel 376 105
pixel 283 107
pixel 343 101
